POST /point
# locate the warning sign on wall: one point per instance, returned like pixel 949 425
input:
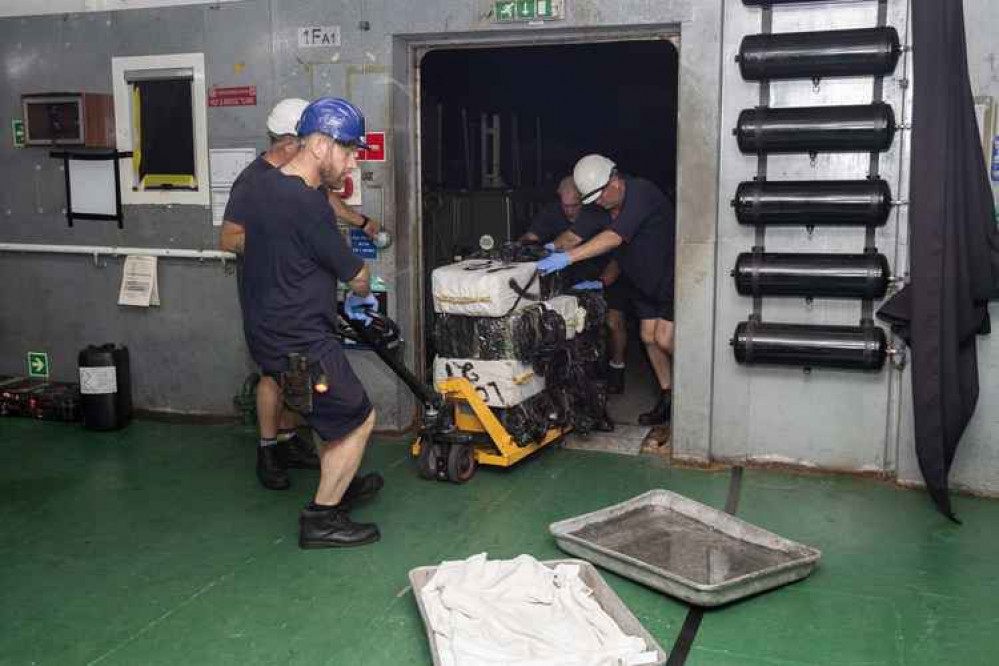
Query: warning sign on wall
pixel 232 96
pixel 377 153
pixel 351 190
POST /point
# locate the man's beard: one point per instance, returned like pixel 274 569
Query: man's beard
pixel 330 178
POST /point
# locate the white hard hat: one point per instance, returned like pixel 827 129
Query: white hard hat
pixel 283 118
pixel 592 173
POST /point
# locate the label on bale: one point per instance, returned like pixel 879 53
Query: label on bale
pixel 98 381
pixel 499 383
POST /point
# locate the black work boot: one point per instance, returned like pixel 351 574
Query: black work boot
pixel 604 423
pixel 362 488
pixel 270 468
pixel 615 380
pixel 333 528
pixel 298 453
pixel 659 414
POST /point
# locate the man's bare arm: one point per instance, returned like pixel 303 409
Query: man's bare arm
pixel 602 243
pixel 360 284
pixel 368 225
pixel 232 238
pixel 567 240
pixel 611 272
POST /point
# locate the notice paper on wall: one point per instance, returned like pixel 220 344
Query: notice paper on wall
pixel 139 282
pixel 226 165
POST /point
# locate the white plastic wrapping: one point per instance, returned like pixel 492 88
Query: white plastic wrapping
pixel 574 316
pixel 481 288
pixel 499 383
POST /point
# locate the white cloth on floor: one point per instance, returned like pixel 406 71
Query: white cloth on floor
pixel 520 612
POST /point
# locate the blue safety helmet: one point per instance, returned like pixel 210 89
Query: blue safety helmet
pixel 336 118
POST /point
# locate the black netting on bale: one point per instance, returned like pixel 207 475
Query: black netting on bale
pixel 515 336
pixel 529 421
pixel 595 307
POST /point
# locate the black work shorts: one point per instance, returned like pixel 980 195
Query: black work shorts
pixel 345 406
pixel 618 295
pixel 624 297
pixel 649 309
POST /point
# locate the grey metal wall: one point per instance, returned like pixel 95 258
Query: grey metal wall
pixel 189 355
pixel 827 418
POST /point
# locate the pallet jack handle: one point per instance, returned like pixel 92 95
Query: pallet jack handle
pixel 365 333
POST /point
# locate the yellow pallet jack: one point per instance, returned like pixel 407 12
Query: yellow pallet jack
pixel 490 443
pixel 459 431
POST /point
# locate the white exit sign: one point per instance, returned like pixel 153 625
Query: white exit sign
pixel 318 36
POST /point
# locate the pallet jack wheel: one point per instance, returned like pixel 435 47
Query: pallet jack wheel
pixel 426 463
pixel 460 463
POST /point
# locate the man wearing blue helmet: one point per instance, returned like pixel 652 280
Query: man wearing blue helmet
pixel 294 256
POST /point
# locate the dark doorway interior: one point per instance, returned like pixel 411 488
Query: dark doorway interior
pixel 615 98
pixel 552 105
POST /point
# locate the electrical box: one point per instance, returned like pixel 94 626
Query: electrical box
pixel 69 119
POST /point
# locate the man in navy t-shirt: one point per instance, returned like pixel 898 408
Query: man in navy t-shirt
pixel 642 233
pixel 602 273
pixel 554 218
pixel 294 256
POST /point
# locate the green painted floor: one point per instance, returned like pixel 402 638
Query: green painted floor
pixel 156 546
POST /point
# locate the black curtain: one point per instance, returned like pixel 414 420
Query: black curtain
pixel 954 260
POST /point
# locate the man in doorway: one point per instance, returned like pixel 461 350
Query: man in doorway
pixel 294 257
pixel 554 218
pixel 642 235
pixel 601 273
pixel 280 447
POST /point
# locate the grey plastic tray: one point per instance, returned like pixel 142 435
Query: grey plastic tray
pixel 684 548
pixel 602 593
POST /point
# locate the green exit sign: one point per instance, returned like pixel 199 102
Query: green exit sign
pixel 17 130
pixel 509 11
pixel 38 364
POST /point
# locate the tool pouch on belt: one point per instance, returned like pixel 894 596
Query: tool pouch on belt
pixel 296 384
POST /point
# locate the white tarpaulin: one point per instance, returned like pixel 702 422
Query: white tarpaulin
pixel 521 613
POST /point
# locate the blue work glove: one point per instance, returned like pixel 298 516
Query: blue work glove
pixel 588 285
pixel 356 306
pixel 553 263
pixel 550 247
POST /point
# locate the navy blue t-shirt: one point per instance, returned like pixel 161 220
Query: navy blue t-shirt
pixel 549 223
pixel 647 224
pixel 293 258
pixel 590 222
pixel 236 208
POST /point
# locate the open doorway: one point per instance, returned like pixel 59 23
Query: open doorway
pixel 500 126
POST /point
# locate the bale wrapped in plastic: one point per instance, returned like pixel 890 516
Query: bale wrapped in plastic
pixel 484 288
pixel 589 344
pixel 500 383
pixel 515 336
pixel 530 421
pixel 595 308
pixel 552 342
pixel 582 396
pixel 572 314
